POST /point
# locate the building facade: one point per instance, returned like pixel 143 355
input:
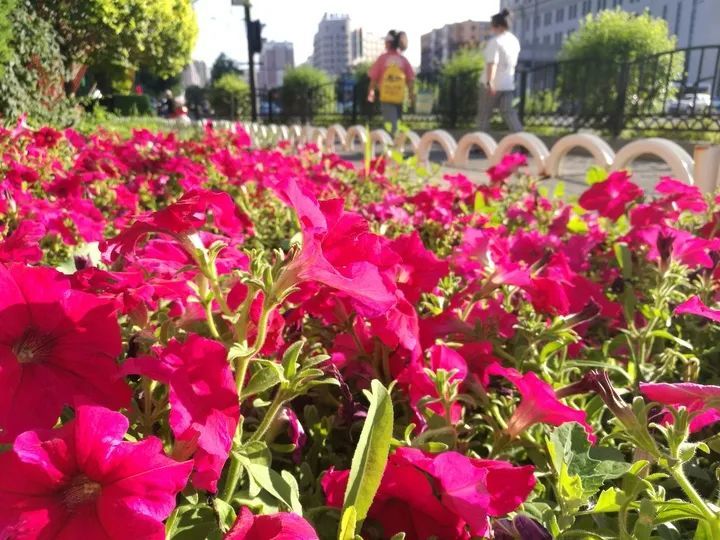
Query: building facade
pixel 438 46
pixel 331 47
pixel 276 58
pixel 195 74
pixel 543 25
pixel 365 46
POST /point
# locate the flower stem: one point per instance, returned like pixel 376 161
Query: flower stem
pixel 267 421
pixel 701 504
pixel 233 477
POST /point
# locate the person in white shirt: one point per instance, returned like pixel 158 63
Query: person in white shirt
pixel 498 81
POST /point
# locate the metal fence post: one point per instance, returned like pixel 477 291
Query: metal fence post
pixel 523 92
pixel 270 105
pixel 453 101
pixel 617 119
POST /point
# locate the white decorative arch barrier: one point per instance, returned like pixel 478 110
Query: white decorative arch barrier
pixel 336 135
pixel 603 155
pixel 381 138
pixel 405 139
pixel 703 170
pixel 476 139
pixel 355 134
pixel 439 136
pixel 532 143
pixel 680 162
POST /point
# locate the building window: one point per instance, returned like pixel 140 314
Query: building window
pixel 678 16
pixel 526 24
pixel 536 23
pixel 601 4
pixel 558 38
pixel 546 39
pixel 560 15
pixel 664 12
pixel 548 19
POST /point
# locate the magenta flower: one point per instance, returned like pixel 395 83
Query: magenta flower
pixel 338 251
pixel 22 245
pixel 420 269
pixel 183 218
pixel 84 481
pixel 508 166
pixel 702 400
pixel 695 306
pixel 681 195
pixel 58 347
pixel 538 404
pixel 611 197
pixel 280 526
pixel 204 406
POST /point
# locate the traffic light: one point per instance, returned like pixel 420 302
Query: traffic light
pixel 255 36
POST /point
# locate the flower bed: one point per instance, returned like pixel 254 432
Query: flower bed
pixel 203 340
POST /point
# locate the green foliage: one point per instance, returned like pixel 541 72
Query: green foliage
pixel 371 454
pixel 32 82
pixel 458 92
pixel 121 37
pixel 230 96
pixel 223 64
pixel 129 105
pixel 305 89
pixel 6 9
pixel 592 74
pixel 362 85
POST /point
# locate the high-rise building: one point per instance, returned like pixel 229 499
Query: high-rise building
pixel 338 47
pixel 332 52
pixel 194 74
pixel 439 45
pixel 543 25
pixel 365 46
pixel 276 58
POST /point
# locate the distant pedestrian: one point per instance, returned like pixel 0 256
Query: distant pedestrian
pixel 498 81
pixel 392 74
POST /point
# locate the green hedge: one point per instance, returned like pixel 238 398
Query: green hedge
pixel 128 105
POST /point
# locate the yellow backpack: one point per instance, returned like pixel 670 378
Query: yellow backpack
pixel 392 85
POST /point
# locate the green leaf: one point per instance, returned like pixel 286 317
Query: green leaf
pixel 676 510
pixel 199 523
pixel 595 175
pixel 263 379
pixel 667 335
pixel 579 474
pixel 348 523
pixel 577 225
pixel 278 485
pixel 371 454
pixel 646 520
pixel 607 501
pixel 226 514
pixel 624 259
pixel 290 359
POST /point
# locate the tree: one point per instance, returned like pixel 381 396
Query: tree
pixel 230 96
pixel 458 91
pixel 32 82
pixel 223 64
pixel 306 90
pixel 121 37
pixel 616 54
pixel 6 9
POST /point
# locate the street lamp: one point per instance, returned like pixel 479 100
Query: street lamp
pixel 254 43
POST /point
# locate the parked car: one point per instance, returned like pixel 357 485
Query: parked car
pixel 689 103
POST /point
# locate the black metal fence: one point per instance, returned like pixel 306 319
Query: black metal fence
pixel 676 90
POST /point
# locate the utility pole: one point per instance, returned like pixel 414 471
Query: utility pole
pixel 250 31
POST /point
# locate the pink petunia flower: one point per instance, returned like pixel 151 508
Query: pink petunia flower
pixel 204 406
pixel 509 164
pixel 84 481
pixel 538 404
pixel 701 399
pixel 280 526
pixel 695 306
pixel 446 495
pixel 611 197
pixel 58 346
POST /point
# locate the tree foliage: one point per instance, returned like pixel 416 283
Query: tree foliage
pixel 223 64
pixel 32 82
pixel 230 96
pixel 459 87
pixel 616 54
pixel 6 9
pixel 306 90
pixel 123 36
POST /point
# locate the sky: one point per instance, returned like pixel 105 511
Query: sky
pixel 222 28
